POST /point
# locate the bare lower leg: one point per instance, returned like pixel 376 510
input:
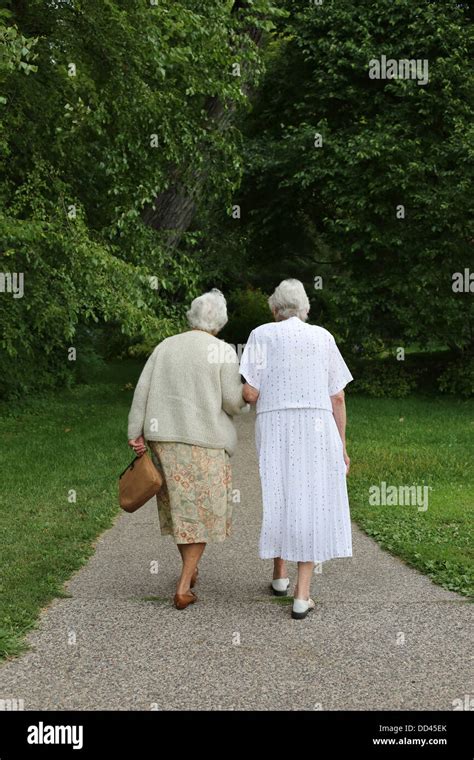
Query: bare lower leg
pixel 303 585
pixel 190 554
pixel 279 568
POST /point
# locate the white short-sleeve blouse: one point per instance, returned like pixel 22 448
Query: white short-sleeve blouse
pixel 293 365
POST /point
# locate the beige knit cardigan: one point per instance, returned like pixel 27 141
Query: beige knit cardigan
pixel 188 391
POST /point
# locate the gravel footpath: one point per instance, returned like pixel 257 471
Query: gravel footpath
pixel 382 635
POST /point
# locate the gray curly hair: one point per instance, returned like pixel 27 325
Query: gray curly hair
pixel 208 312
pixel 289 299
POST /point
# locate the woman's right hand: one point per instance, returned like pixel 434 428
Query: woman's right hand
pixel 138 445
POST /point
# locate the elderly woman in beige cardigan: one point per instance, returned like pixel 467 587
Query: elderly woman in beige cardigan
pixel 183 406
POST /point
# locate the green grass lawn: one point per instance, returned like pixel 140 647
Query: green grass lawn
pixel 417 441
pixel 76 440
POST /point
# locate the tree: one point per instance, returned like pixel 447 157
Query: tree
pixel 366 182
pixel 117 104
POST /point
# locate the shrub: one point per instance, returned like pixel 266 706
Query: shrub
pixel 385 378
pixel 458 377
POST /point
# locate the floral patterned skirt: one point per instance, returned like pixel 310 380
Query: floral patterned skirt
pixel 195 500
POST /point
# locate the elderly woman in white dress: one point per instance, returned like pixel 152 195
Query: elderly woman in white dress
pixel 296 375
pixel 182 408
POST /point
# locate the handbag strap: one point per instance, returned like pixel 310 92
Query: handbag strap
pixel 129 467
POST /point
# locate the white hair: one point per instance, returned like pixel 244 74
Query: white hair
pixel 208 312
pixel 289 299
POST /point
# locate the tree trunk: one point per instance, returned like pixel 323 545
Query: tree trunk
pixel 174 209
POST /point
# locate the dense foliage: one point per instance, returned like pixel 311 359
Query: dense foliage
pixel 332 154
pixel 101 104
pixel 104 105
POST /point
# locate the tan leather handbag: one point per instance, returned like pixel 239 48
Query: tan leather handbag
pixel 138 483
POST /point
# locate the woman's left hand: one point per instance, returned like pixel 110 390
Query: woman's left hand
pixel 250 394
pixel 347 462
pixel 138 445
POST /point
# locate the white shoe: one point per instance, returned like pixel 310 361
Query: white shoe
pixel 301 607
pixel 279 586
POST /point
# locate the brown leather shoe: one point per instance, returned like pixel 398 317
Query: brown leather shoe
pixel 181 601
pixel 194 578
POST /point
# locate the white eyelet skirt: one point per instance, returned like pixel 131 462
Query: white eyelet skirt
pixel 305 504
